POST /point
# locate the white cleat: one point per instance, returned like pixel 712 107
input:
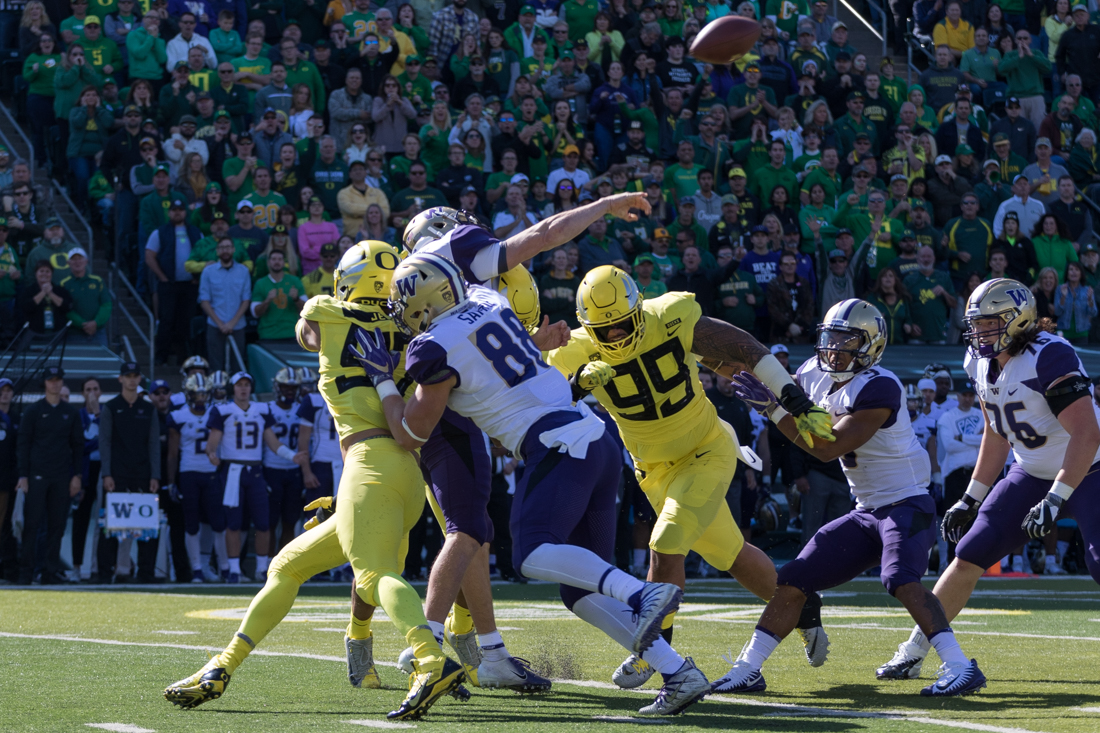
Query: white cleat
pixel 905 665
pixel 685 687
pixel 634 672
pixel 816 643
pixel 361 670
pixel 511 673
pixel 656 600
pixel 741 678
pixel 405 661
pixel 468 652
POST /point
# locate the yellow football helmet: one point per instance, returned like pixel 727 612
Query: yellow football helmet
pixel 424 286
pixel 1009 300
pixel 523 296
pixel 853 327
pixel 609 297
pixel 365 271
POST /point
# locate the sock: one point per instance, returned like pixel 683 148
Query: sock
pixel 759 648
pixel 359 629
pixel 262 563
pixel 493 646
pixel 267 609
pixel 459 620
pixel 424 646
pixel 219 548
pixel 204 559
pixel 1063 548
pixel 639 558
pixel 402 604
pixel 918 638
pixel 613 618
pixel 235 565
pixel 948 647
pixel 198 561
pixel 580 568
pixel 239 648
pixel 666 627
pixel 437 631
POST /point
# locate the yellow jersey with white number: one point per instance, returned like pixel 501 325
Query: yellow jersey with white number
pixel 655 398
pixel 347 390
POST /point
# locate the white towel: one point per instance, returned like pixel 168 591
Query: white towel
pixel 17 515
pixel 232 496
pixel 575 437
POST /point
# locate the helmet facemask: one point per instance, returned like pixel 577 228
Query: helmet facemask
pixel 988 343
pixel 834 343
pixel 624 348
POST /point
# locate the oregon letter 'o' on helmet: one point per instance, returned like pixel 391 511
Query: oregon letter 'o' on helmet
pixel 523 296
pixel 1012 303
pixel 364 272
pixel 852 327
pixel 424 286
pixel 609 297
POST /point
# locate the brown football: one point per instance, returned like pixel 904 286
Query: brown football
pixel 723 40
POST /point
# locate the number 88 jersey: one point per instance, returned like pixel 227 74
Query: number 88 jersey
pixel 1016 406
pixel 655 398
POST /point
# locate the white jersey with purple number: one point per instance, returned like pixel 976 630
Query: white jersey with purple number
pixel 324 443
pixel 503 384
pixel 891 465
pixel 1016 406
pixel 194 433
pixel 243 438
pixel 475 251
pixel 285 426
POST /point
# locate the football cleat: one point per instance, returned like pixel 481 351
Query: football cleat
pixel 426 686
pixel 655 601
pixel 208 683
pixel 956 680
pixel 683 688
pixel 741 678
pixel 197 576
pixel 634 672
pixel 816 643
pixel 233 579
pixel 511 673
pixel 361 671
pixel 905 665
pixel 468 651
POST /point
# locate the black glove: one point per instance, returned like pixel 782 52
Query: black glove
pixel 794 400
pixel 958 518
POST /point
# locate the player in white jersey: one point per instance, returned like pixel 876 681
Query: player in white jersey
pixel 326 462
pixel 470 352
pixel 1037 402
pixel 285 478
pixel 192 365
pixel 198 490
pixel 887 470
pixel 239 430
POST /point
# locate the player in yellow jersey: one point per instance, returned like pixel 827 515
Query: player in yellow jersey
pixel 639 359
pixel 381 498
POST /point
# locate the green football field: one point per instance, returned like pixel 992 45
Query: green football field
pixel 83 660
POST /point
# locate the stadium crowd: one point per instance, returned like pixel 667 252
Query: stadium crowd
pixel 229 153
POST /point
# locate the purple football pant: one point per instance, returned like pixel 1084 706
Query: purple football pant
pixel 252 507
pixel 997 529
pixel 897 537
pixel 201 498
pixel 460 473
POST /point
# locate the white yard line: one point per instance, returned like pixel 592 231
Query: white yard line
pixel 632 721
pixel 379 724
pixel 120 727
pixel 170 632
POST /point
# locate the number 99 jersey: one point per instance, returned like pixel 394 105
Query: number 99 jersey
pixel 343 383
pixel 656 397
pixel 1016 406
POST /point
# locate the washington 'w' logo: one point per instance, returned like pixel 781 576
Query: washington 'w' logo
pixel 1018 295
pixel 406 286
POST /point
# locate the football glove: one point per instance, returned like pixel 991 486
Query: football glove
pixel 325 506
pixel 754 393
pixel 815 423
pixel 595 374
pixel 1043 517
pixel 958 518
pixel 173 493
pixel 371 352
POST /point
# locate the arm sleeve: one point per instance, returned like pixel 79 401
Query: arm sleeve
pixel 154 446
pixel 426 363
pixel 105 441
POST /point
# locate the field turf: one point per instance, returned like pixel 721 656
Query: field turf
pixel 85 657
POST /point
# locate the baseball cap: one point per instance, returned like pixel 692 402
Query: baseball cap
pixel 5 382
pixel 940 159
pixel 246 135
pixel 1079 6
pixel 239 376
pixel 279 229
pixel 161 168
pixel 567 55
pixel 650 181
pixel 843 56
pixel 759 229
pixel 159 384
pixel 899 177
pixel 571 150
pixel 840 232
pixel 469 189
pixel 779 349
pixel 1090 247
pixel 687 201
pixel 77 252
pixel 329 249
pixel 53 372
pixel 908 234
pixel 730 198
pixel 752 66
pixel 990 162
pixel 242 205
pixel 964 149
pixel 661 233
pixel 966 387
pixel 177 204
pixel 527 10
pixel 269 111
pixel 636 125
pixel 222 113
pixel 1017 178
pixel 1013 102
pixel 646 257
pixel 187 120
pixel 520 178
pixel 736 172
pixel 53 221
pixel 856 94
pixel 1043 141
pixel 579 43
pixel 92 20
pixel 323 43
pixel 357 162
pixel 1000 137
pixel 840 24
pixel 131 109
pixel 128 367
pixel 837 253
pixel 926 384
pixel 1012 214
pixel 179 65
pixel 412 59
pixel 218 216
pixel 202 96
pixel 3 222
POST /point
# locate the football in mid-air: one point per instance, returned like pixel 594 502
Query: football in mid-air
pixel 723 40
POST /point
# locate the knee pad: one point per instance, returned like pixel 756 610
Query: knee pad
pixel 570 595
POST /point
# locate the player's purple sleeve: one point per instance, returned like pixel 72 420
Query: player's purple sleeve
pixel 426 363
pixel 216 421
pixel 268 420
pixel 170 421
pixel 306 411
pixel 877 393
pixel 478 254
pixel 1055 361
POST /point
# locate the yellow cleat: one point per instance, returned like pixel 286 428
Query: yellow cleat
pixel 427 684
pixel 208 683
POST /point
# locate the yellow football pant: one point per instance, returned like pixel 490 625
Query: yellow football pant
pixel 689 496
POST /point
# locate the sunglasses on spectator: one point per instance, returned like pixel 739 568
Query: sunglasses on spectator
pixel 417 173
pixel 876 201
pixel 225 71
pixel 22 193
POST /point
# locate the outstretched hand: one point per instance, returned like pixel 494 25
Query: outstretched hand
pixel 620 205
pixel 372 353
pixel 754 393
pixel 550 336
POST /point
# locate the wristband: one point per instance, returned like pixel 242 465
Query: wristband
pixel 414 436
pixel 769 371
pixel 937 477
pixel 778 414
pixel 386 389
pixel 1061 490
pixel 976 490
pixel 286 453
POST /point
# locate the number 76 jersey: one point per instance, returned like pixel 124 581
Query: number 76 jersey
pixel 1015 402
pixel 655 398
